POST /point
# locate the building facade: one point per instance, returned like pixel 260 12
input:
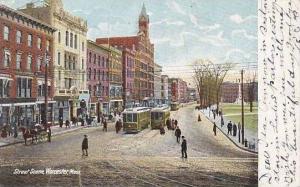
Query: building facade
pixel 69 56
pixel 230 92
pixel 157 84
pixel 144 58
pixel 128 58
pixel 178 90
pixel 26 45
pixel 97 77
pixel 165 89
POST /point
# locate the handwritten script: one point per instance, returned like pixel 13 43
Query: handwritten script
pixel 279 92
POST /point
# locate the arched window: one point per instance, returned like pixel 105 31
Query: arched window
pixel 67 38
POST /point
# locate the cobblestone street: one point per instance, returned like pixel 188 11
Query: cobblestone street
pixel 143 159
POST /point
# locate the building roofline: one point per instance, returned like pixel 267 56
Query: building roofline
pixel 26 16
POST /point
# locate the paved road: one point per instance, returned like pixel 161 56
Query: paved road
pixel 143 159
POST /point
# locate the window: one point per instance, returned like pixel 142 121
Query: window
pixel 48 45
pixel 82 63
pixel 75 41
pixel 6 58
pixel 59 37
pixel 89 73
pixel 95 74
pixel 67 38
pixel 58 58
pixel 90 57
pixel 71 39
pixel 24 87
pixel 59 75
pixel 6 33
pixel 95 58
pixel 99 75
pixel 38 64
pixel 39 43
pixel 18 61
pixel 73 63
pixel 19 37
pixel 29 62
pixel 4 88
pixel 99 61
pixel 82 46
pixel 29 40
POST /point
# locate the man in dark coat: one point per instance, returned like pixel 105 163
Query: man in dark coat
pixel 229 127
pixel 178 134
pixel 234 128
pixel 183 148
pixel 215 129
pixel 168 123
pixel 85 146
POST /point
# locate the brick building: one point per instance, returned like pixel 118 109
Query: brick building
pixel 144 58
pixel 230 92
pixel 157 83
pixel 165 89
pixel 24 43
pixel 128 76
pixel 178 90
pixel 97 77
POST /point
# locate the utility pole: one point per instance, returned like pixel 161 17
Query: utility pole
pixel 46 89
pixel 242 93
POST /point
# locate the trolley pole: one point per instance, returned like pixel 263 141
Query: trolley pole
pixel 242 94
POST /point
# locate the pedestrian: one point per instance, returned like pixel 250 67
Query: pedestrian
pixel 168 123
pixel 199 117
pixel 178 134
pixel 183 147
pixel 176 123
pixel 85 146
pixel 67 123
pixel 105 125
pixel 214 113
pixel 61 121
pixel 229 128
pixel 162 129
pixel 215 129
pixel 222 121
pixel 234 129
pixel 49 134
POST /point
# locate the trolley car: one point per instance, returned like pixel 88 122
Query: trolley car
pixel 136 119
pixel 159 116
pixel 174 106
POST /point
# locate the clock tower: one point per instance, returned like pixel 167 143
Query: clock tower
pixel 144 22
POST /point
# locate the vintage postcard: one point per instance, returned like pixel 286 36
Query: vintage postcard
pixel 149 93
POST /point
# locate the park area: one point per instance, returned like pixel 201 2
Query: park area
pixel 232 112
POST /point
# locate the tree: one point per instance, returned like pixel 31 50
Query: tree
pixel 251 90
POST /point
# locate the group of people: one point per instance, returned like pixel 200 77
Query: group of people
pixel 216 112
pixel 232 128
pixel 171 124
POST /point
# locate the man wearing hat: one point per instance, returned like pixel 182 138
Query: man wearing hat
pixel 85 146
pixel 183 147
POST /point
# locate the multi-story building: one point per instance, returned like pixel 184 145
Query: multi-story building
pixel 128 58
pixel 165 89
pixel 26 45
pixel 97 77
pixel 178 89
pixel 144 58
pixel 69 56
pixel 191 94
pixel 157 83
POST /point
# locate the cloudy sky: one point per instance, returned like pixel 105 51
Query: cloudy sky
pixel 182 30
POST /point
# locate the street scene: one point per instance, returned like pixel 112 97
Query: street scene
pixel 128 93
pixel 143 159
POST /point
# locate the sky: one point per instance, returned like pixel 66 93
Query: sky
pixel 182 30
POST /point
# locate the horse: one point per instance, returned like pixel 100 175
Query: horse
pixel 29 133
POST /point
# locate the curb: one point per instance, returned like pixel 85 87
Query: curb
pixel 54 134
pixel 244 149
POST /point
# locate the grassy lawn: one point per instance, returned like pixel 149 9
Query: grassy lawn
pixel 251 120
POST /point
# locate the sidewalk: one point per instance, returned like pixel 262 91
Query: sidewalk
pixel 56 130
pixel 251 137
